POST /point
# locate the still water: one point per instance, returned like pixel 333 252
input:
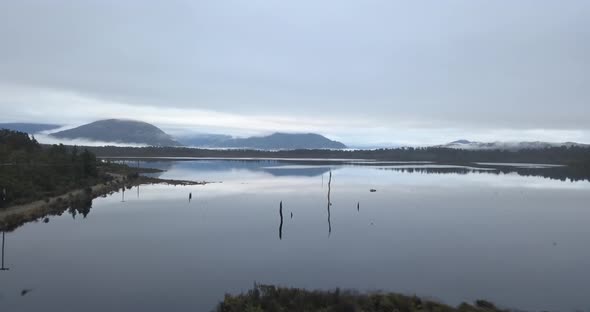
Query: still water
pixel 452 234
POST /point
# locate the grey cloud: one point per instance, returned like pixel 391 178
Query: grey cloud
pixel 460 64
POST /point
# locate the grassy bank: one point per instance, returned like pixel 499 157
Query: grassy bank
pixel 77 201
pixel 270 298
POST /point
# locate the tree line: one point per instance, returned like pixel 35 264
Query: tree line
pixel 578 156
pixel 31 171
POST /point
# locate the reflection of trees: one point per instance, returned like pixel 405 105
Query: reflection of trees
pixel 563 173
pixel 80 205
pixel 577 155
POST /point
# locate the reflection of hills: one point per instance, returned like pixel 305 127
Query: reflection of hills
pixel 555 173
pixel 273 167
pixel 307 172
pixel 284 168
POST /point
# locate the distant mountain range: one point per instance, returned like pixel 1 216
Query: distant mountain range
pixel 123 131
pixel 137 132
pixel 288 141
pixel 473 145
pixel 30 128
pixel 119 131
pixel 275 141
pixel 203 139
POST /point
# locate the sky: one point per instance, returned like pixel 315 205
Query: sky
pixel 363 72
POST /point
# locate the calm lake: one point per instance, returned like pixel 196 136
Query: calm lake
pixel 451 233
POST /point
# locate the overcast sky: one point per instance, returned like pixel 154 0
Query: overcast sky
pixel 364 72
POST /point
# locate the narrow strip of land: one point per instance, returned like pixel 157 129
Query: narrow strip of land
pixel 14 216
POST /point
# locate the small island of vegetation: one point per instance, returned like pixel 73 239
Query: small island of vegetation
pixel 271 298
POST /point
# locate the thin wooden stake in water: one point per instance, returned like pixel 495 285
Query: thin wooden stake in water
pixel 281 225
pixel 3 268
pixel 329 204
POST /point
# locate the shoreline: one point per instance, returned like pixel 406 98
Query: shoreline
pixel 14 216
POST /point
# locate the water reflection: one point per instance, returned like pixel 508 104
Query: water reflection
pixel 155 164
pixel 80 205
pixel 302 171
pixel 562 173
pixel 329 204
pixel 294 168
pixel 3 268
pixel 273 167
pixel 456 229
pixel 300 168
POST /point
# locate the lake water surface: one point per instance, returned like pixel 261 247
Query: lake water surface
pixel 449 233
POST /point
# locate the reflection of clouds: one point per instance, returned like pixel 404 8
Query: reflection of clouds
pixel 212 176
pixel 388 162
pixel 355 179
pixel 264 184
pixel 295 167
pixel 373 176
pixel 228 169
pixel 238 180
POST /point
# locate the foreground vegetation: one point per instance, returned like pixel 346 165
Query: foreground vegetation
pixel 270 298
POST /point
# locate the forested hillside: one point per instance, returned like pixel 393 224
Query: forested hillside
pixel 29 171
